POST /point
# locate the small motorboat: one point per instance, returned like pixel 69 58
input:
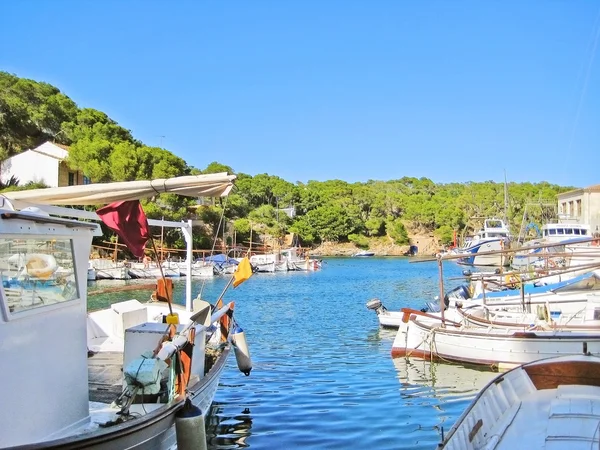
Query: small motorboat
pixel 363 253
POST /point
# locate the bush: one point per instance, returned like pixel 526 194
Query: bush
pixel 359 240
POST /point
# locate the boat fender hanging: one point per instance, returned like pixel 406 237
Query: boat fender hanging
pixel 240 348
pixel 189 428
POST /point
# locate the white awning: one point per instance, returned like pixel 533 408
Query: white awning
pixel 210 185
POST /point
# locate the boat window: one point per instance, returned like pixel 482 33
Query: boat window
pixel 552 231
pixel 577 231
pixel 568 230
pixel 36 273
pixel 560 231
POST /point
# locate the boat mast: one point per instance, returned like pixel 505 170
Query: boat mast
pixel 505 200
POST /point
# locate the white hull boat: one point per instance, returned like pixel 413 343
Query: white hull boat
pixel 386 318
pixel 422 335
pixel 544 318
pixel 549 404
pixel 45 326
pixel 478 251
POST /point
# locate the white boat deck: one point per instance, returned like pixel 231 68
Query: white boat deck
pixel 105 376
pixel 552 419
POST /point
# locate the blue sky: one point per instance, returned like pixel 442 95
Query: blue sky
pixel 452 90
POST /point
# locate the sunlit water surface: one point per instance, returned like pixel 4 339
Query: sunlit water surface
pixel 323 377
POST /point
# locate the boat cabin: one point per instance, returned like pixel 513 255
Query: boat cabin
pixel 562 231
pixel 494 228
pixel 42 323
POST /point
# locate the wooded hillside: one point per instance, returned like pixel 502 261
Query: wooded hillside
pixel 33 112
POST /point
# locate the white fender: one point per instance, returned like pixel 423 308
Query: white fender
pixel 242 354
pixel 190 428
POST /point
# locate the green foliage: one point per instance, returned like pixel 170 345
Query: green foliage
pixel 264 189
pixel 331 223
pixel 215 167
pixel 445 234
pixel 375 226
pixel 396 230
pixel 12 182
pixel 32 113
pixel 359 240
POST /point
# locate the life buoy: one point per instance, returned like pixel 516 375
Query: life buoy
pixel 40 265
pixel 512 281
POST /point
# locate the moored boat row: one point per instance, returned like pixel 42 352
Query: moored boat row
pixel 543 326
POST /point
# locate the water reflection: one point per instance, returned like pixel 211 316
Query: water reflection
pixel 441 379
pixel 444 389
pixel 227 431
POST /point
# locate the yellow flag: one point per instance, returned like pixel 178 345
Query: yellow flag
pixel 243 272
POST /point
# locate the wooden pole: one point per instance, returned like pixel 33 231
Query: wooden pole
pixel 115 253
pixel 162 275
pixel 162 230
pixel 220 299
pixel 442 302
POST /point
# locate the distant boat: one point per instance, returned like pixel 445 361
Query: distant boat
pixel 493 237
pixel 363 253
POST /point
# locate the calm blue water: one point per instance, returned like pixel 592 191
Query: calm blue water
pixel 323 376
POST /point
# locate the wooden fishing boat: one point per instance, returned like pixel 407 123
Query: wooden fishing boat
pixel 548 404
pixel 544 318
pixel 425 335
pixel 153 369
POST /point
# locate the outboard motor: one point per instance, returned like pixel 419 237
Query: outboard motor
pixel 431 307
pixel 458 293
pixel 376 305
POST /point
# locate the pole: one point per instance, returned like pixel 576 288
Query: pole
pixel 115 253
pixel 162 230
pixel 250 249
pixel 220 299
pixel 162 275
pixel 442 302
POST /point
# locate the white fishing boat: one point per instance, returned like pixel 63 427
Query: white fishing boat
pixel 544 318
pixel 428 336
pixel 163 392
pixel 493 237
pixel 269 262
pixel 300 259
pixel 548 404
pixel 107 269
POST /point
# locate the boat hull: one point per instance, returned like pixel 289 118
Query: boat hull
pixel 497 348
pixel 154 431
pixel 478 254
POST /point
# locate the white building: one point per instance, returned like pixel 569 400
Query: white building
pixel 583 205
pixel 45 164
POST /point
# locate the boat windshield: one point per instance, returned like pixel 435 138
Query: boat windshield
pixel 35 273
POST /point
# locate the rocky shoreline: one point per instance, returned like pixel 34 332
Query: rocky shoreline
pixel 427 245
